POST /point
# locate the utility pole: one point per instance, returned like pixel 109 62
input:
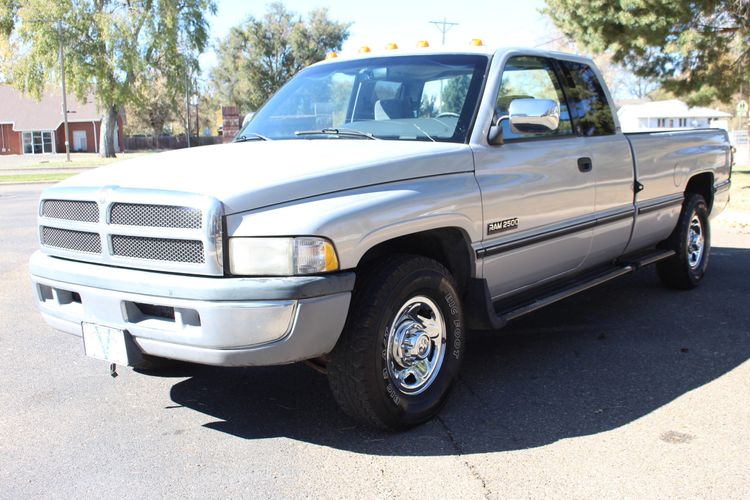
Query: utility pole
pixel 444 26
pixel 197 116
pixel 187 104
pixel 64 95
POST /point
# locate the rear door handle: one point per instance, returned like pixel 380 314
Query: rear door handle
pixel 584 164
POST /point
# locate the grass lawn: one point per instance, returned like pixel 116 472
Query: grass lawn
pixel 43 168
pixel 740 196
pixel 16 178
pixel 88 160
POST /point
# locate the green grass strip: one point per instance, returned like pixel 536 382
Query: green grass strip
pixel 14 179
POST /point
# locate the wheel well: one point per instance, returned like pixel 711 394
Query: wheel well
pixel 702 184
pixel 449 246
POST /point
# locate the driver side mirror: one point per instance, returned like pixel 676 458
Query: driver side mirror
pixel 527 116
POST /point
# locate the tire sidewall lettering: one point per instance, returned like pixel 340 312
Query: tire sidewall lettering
pixel 445 298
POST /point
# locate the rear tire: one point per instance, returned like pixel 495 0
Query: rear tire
pixel 402 345
pixel 691 241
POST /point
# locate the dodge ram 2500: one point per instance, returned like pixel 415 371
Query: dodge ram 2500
pixel 369 214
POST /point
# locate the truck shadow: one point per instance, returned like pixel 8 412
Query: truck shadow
pixel 589 364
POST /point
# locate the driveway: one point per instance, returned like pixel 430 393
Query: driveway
pixel 628 390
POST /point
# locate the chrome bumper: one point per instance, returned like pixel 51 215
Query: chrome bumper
pixel 216 321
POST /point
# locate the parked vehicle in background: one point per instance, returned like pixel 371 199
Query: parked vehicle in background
pixel 370 213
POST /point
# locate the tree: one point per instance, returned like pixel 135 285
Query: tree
pixel 696 49
pixel 454 94
pixel 154 104
pixel 642 87
pixel 118 45
pixel 620 81
pixel 260 55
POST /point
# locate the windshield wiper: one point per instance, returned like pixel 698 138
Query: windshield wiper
pixel 339 132
pixel 425 133
pixel 251 136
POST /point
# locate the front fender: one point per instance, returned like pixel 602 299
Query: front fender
pixel 357 220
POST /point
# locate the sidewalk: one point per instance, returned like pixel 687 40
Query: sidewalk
pixel 56 163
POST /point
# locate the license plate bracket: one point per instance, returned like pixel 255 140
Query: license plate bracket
pixel 110 344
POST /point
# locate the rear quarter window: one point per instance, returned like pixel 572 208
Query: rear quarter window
pixel 592 115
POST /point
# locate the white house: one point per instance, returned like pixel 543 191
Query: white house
pixel 669 115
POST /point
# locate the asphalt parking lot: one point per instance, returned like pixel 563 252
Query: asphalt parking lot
pixel 628 390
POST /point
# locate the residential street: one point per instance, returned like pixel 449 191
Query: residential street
pixel 628 390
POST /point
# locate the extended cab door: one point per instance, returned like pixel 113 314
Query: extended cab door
pixel 538 191
pixel 611 159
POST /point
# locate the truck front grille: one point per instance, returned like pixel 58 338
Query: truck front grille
pixel 143 229
pixel 77 241
pixel 170 250
pixel 138 214
pixel 84 211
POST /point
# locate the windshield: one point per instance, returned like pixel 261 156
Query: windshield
pixel 408 98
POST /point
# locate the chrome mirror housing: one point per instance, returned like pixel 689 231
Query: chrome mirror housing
pixel 495 136
pixel 533 116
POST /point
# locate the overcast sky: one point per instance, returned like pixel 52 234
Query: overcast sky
pixel 376 23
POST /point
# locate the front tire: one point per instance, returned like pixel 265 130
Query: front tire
pixel 691 241
pixel 402 345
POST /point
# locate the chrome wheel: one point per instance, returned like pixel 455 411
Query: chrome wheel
pixel 416 345
pixel 696 242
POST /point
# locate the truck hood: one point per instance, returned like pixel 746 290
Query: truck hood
pixel 250 175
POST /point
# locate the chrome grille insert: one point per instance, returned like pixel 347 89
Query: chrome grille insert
pixel 77 241
pixel 163 249
pixel 84 211
pixel 137 214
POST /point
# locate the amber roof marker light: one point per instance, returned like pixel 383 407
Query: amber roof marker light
pixel 476 42
pixel 423 43
pixel 391 46
pixel 364 49
pixel 332 55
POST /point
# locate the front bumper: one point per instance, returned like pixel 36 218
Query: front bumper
pixel 209 320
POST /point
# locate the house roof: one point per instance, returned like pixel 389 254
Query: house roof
pixel 669 109
pixel 26 113
pixel 628 102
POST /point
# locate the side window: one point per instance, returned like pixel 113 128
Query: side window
pixel 531 78
pixel 588 102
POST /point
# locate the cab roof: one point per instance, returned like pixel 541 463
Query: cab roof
pixel 377 52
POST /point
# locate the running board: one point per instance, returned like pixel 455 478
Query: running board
pixel 483 314
pixel 574 288
pixel 642 260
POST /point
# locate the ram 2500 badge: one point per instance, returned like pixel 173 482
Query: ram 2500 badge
pixel 369 214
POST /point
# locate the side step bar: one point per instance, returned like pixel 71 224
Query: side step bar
pixel 482 314
pixel 574 288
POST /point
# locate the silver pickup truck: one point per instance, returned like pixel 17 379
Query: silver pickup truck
pixel 373 211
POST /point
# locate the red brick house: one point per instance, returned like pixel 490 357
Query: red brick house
pixel 28 126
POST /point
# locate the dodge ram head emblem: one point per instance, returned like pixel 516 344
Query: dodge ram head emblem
pixel 103 195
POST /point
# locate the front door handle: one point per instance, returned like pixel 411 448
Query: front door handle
pixel 584 164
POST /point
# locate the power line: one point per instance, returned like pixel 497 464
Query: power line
pixel 550 41
pixel 444 26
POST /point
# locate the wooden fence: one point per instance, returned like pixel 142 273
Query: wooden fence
pixel 141 143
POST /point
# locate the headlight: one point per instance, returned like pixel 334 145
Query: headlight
pixel 281 256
